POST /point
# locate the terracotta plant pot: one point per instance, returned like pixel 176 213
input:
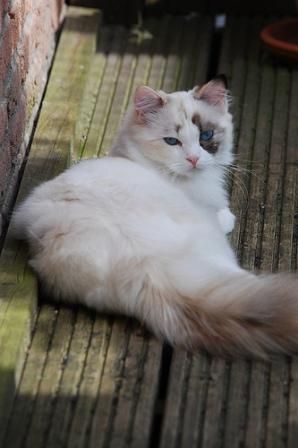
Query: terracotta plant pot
pixel 281 38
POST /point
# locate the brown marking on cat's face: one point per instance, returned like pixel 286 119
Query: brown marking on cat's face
pixel 177 128
pixel 211 145
pixel 196 120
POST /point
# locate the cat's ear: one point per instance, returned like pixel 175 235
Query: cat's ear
pixel 214 92
pixel 147 100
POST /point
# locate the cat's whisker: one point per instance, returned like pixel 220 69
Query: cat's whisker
pixel 240 169
pixel 238 182
pixel 247 171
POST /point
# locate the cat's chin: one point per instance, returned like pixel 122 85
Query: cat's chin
pixel 184 174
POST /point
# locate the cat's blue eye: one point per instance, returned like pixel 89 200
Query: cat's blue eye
pixel 172 141
pixel 206 135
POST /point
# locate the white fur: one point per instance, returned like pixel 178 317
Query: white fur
pixel 131 232
pixel 226 219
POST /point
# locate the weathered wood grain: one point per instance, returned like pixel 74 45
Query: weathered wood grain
pixel 246 404
pixel 87 104
pixel 82 412
pixel 236 404
pixel 106 93
pixel 31 377
pixel 72 366
pixel 51 377
pixel 289 229
pixel 48 156
pixel 196 399
pixel 256 402
pixel 270 248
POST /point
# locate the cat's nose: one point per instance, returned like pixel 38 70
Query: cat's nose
pixel 193 160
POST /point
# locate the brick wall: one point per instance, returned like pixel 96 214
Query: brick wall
pixel 27 39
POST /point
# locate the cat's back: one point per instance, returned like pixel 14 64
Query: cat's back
pixel 110 179
pixel 97 173
pixel 110 187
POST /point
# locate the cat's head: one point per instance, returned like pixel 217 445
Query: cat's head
pixel 181 132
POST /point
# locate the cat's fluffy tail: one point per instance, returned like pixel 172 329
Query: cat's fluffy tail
pixel 241 315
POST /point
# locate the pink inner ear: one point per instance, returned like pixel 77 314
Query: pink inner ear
pixel 214 93
pixel 147 99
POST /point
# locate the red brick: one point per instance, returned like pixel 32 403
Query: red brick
pixel 26 43
pixel 8 44
pixel 6 48
pixel 18 8
pixel 4 4
pixel 3 118
pixel 14 89
pixel 5 167
pixel 16 127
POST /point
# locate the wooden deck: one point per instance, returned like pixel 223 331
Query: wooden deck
pixel 93 381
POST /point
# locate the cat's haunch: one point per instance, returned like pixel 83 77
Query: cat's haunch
pixel 143 231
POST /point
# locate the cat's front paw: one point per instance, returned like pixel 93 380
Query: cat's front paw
pixel 226 219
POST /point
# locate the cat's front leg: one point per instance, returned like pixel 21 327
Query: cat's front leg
pixel 226 219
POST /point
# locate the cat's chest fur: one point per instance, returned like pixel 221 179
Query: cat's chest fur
pixel 205 189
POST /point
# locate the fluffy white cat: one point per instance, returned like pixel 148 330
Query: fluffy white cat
pixel 143 231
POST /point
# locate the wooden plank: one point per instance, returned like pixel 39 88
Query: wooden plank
pixel 147 388
pixel 72 370
pixel 102 419
pixel 245 147
pixel 37 378
pixel 257 405
pixel 89 388
pixel 215 405
pixel 236 408
pixel 105 94
pixel 235 66
pixel 276 173
pixel 179 374
pixel 276 431
pixel 49 153
pixel 129 393
pixel 95 74
pixel 50 381
pixel 197 393
pixel 122 90
pixel 31 377
pixel 203 49
pixel 269 244
pixel 188 390
pixel 288 245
